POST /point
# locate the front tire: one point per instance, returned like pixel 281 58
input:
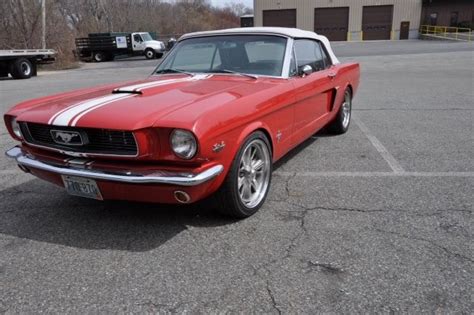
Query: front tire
pixel 150 54
pixel 247 184
pixel 341 123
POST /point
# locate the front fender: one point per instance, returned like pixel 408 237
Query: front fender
pixel 233 141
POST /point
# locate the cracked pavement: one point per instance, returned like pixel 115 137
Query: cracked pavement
pixel 340 231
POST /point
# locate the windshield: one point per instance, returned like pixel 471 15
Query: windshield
pixel 249 54
pixel 146 37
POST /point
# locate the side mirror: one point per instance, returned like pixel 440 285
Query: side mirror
pixel 306 70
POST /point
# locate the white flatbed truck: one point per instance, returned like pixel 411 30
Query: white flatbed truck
pixel 22 63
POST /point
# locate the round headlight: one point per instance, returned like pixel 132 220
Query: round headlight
pixel 16 128
pixel 183 143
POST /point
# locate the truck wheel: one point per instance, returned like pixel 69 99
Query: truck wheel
pixel 247 184
pixel 21 68
pixel 341 123
pixel 99 56
pixel 149 53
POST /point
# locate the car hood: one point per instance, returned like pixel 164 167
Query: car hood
pixel 155 43
pixel 145 103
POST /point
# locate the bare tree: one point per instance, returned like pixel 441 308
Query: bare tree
pixel 20 20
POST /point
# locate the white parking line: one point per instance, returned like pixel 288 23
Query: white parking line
pixel 10 172
pixel 392 162
pixel 375 174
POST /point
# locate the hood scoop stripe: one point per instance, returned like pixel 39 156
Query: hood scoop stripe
pixel 138 88
pixel 126 92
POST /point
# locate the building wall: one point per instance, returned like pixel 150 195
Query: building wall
pixel 404 10
pixel 465 9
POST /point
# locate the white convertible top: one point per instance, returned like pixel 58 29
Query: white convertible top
pixel 288 32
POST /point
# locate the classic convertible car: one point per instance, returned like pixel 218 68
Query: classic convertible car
pixel 213 117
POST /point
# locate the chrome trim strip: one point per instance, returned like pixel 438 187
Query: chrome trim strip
pixel 200 34
pixel 284 75
pixel 80 154
pixel 224 74
pixel 287 59
pixel 168 178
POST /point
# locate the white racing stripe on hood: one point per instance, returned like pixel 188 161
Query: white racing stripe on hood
pixel 50 121
pixel 79 116
pixel 72 114
pixel 136 87
pixel 146 85
pixel 65 117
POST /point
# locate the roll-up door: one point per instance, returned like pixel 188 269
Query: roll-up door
pixel 377 22
pixel 281 18
pixel 332 22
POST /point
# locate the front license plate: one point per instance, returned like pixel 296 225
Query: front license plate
pixel 82 187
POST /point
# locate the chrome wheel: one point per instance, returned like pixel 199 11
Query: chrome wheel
pixel 25 68
pixel 346 110
pixel 254 173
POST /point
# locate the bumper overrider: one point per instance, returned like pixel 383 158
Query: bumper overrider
pixel 123 180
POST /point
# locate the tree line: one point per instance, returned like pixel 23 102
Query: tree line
pixel 20 20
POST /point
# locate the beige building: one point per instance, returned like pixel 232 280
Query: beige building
pixel 344 19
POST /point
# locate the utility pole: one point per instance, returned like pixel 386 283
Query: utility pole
pixel 43 23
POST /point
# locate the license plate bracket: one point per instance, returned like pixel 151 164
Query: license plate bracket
pixel 82 187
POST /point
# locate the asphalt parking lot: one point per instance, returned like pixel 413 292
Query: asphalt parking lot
pixel 377 220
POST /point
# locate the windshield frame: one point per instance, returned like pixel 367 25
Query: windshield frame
pixel 286 58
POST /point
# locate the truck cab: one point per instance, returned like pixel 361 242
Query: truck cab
pixel 143 42
pixel 100 47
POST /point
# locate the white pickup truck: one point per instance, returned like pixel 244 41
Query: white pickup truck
pixel 100 47
pixel 21 63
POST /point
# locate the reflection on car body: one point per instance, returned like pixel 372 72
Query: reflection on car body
pixel 212 119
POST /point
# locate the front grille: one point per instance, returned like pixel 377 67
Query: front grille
pixel 100 141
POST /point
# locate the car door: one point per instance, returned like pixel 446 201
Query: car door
pixel 313 90
pixel 137 42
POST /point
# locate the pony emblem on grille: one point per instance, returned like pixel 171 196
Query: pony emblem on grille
pixel 67 137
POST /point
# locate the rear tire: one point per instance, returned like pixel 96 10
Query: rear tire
pixel 247 184
pixel 21 69
pixel 99 56
pixel 341 122
pixel 150 53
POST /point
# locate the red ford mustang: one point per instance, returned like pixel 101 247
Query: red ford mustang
pixel 214 116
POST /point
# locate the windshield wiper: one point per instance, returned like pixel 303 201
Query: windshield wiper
pixel 172 70
pixel 235 72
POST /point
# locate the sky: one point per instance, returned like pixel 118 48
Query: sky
pixel 248 3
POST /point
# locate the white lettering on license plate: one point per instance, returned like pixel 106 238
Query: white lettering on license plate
pixel 82 187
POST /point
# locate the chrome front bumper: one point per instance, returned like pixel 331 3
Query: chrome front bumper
pixel 158 177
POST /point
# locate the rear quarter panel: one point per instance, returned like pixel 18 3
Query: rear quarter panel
pixel 347 75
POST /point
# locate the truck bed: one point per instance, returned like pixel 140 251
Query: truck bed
pixel 102 43
pixel 26 53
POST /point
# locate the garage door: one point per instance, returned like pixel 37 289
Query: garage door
pixel 332 22
pixel 377 22
pixel 282 18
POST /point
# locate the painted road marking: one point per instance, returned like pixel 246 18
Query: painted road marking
pixel 10 172
pixel 337 174
pixel 374 174
pixel 392 162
